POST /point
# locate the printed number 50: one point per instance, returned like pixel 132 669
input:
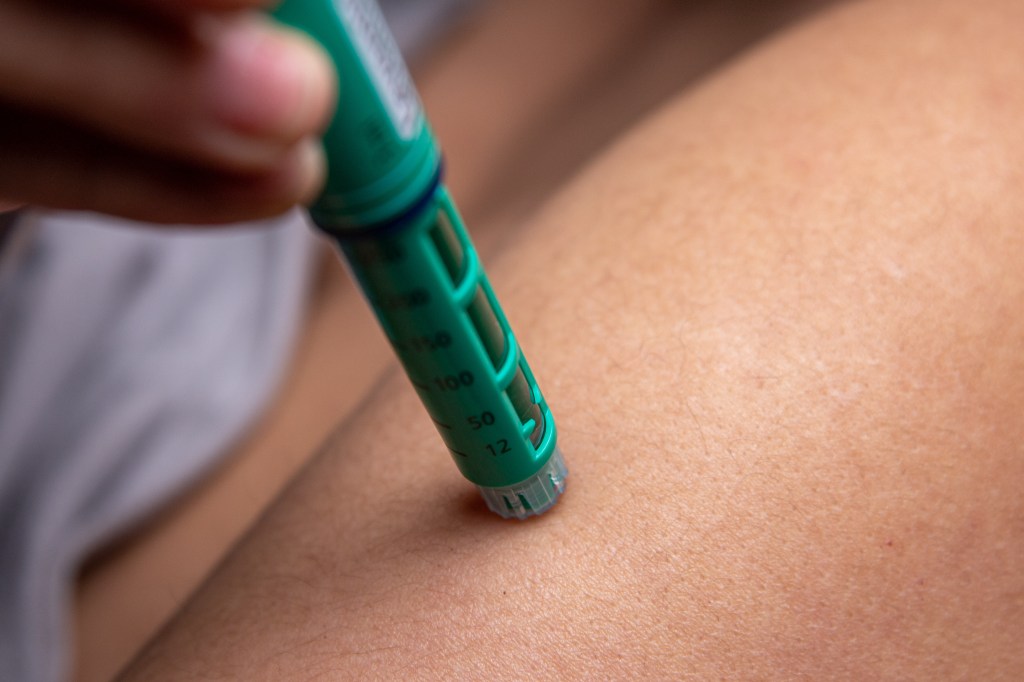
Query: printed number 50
pixel 479 422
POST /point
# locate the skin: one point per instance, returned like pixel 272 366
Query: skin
pixel 780 327
pixel 588 87
pixel 198 111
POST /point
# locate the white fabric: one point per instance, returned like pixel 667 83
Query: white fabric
pixel 130 359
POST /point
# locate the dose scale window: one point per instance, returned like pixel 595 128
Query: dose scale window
pixel 448 247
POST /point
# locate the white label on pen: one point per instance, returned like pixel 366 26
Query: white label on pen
pixel 383 61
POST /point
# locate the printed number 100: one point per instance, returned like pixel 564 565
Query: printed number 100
pixel 453 382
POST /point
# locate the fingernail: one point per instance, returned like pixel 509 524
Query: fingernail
pixel 270 81
pixel 311 169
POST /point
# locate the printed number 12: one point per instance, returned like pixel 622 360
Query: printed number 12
pixel 499 448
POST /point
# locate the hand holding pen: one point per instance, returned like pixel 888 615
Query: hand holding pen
pixel 166 111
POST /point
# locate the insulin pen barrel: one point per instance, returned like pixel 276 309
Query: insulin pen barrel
pixel 398 229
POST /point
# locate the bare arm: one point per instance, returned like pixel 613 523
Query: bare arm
pixel 780 326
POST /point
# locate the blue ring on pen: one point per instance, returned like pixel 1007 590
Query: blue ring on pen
pixel 399 222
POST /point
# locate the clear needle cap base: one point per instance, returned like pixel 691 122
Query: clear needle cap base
pixel 532 497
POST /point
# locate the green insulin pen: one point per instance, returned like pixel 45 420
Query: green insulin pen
pixel 386 208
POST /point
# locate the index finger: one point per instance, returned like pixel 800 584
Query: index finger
pixel 184 6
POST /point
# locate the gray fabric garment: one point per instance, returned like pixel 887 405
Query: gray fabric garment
pixel 130 359
pixel 418 23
